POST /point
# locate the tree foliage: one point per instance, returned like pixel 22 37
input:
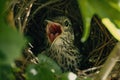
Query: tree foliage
pixel 107 10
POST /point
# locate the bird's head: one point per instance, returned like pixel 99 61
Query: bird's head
pixel 59 26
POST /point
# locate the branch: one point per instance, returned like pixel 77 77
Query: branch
pixel 27 15
pixel 110 63
pixel 43 5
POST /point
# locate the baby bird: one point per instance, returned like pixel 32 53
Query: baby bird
pixel 60 36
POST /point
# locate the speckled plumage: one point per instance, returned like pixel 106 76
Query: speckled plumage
pixel 62 49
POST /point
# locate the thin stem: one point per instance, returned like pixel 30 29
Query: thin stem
pixel 92 69
pixel 27 15
pixel 110 63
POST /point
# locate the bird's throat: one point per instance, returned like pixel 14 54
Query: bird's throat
pixel 53 31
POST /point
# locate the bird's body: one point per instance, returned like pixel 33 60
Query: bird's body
pixel 61 37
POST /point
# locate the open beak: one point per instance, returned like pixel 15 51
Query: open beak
pixel 53 30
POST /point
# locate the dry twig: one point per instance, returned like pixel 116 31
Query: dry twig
pixel 110 63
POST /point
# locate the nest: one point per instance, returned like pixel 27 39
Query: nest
pixel 95 49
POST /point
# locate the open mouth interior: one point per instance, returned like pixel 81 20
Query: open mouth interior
pixel 53 31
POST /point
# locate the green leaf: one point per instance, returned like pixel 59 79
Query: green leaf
pixel 87 13
pixel 49 63
pixel 68 76
pixel 112 28
pixel 46 69
pixel 103 8
pixel 115 4
pixel 39 72
pixel 64 76
pixel 88 78
pixel 2 5
pixel 11 44
pixel 6 73
pixel 11 41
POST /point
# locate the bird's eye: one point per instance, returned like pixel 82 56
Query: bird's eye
pixel 66 23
